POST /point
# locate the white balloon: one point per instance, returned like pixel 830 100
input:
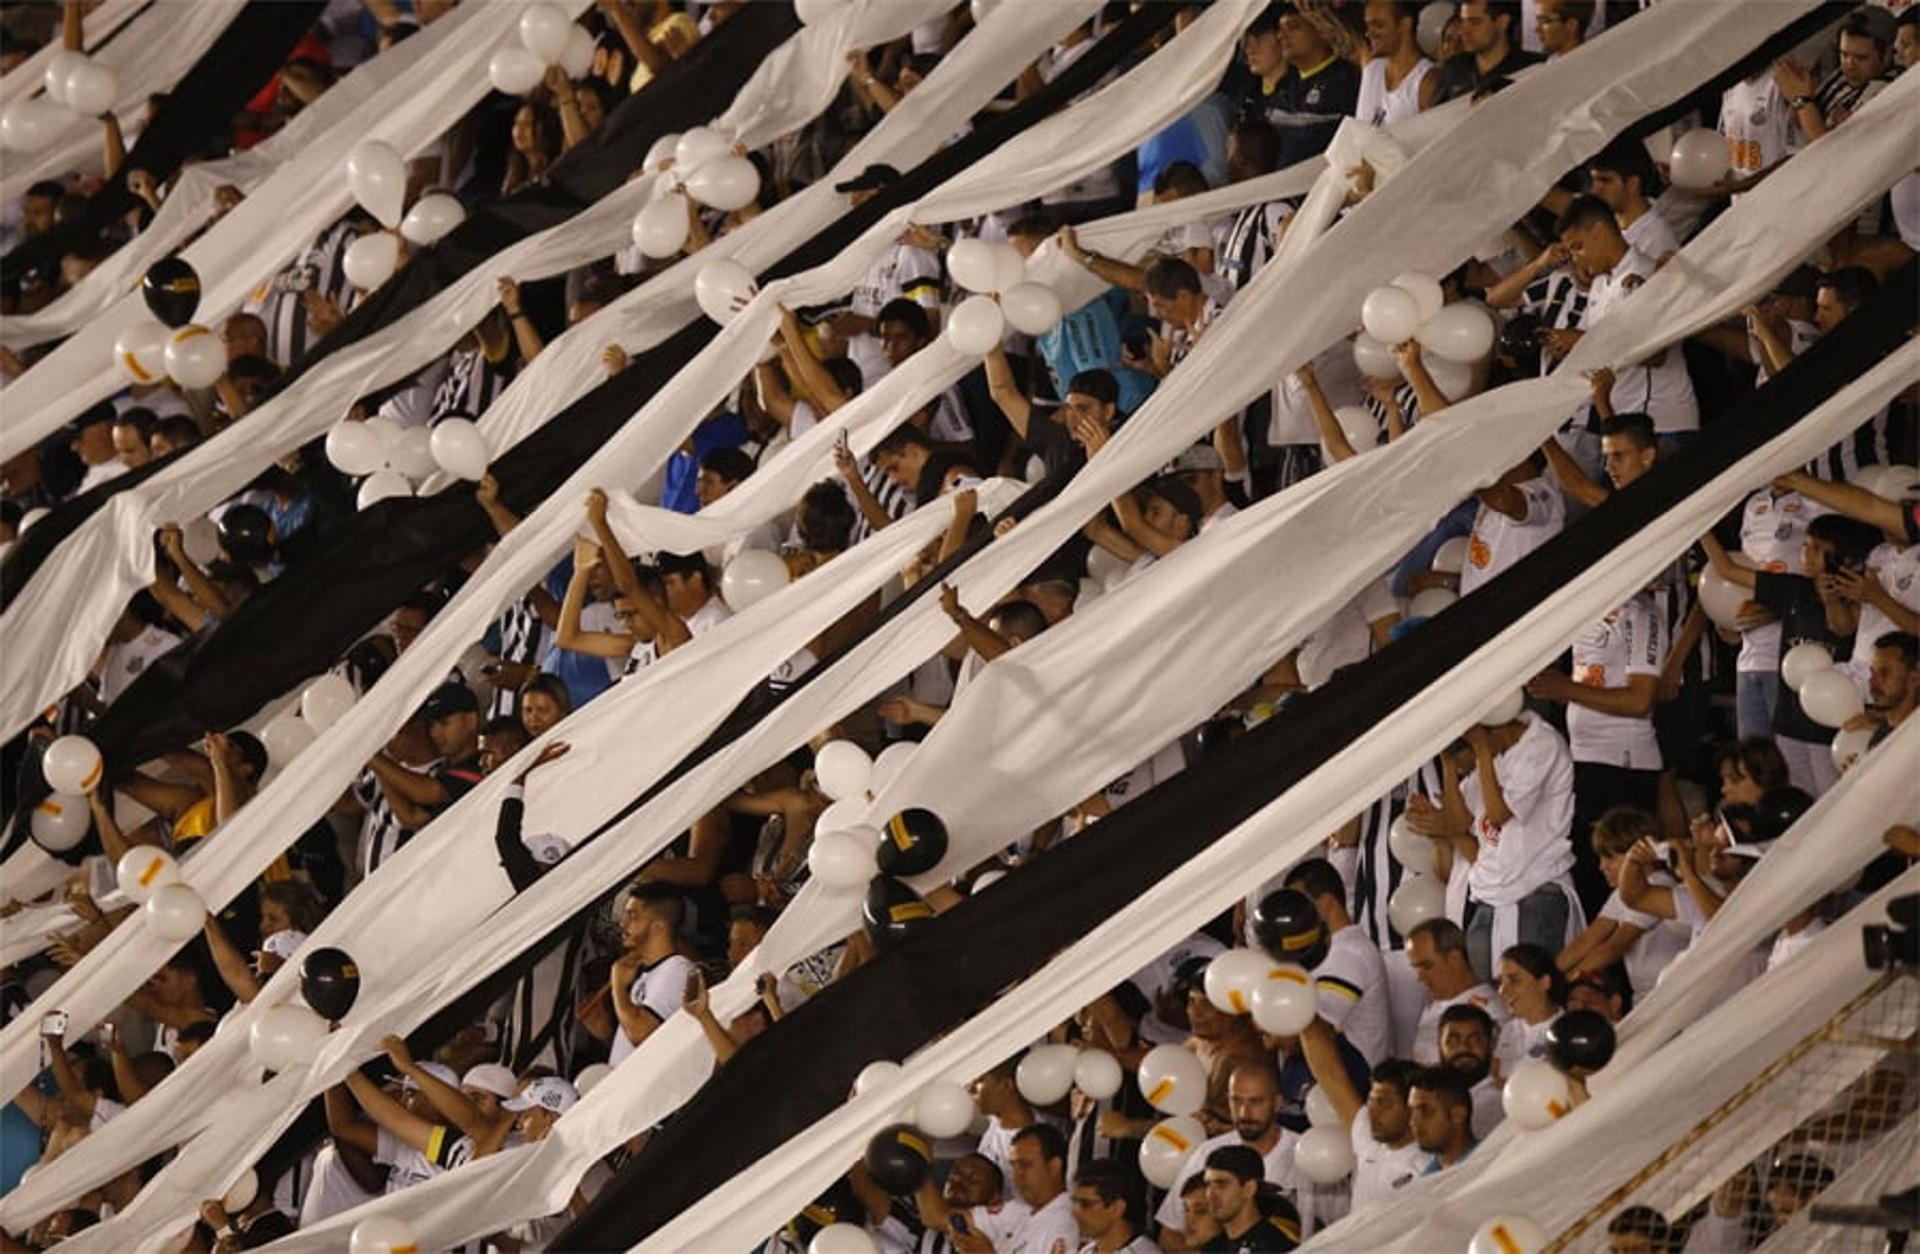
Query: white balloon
pixel 286 1036
pixel 1425 290
pixel 1166 1147
pixel 432 218
pixel 1721 598
pixel 1009 267
pixel 1045 1074
pixel 58 68
pixel 1451 557
pixel 843 769
pixel 195 357
pixel 201 538
pixel 1173 1080
pixel 698 146
pixel 975 326
pixel 1433 26
pixel 1430 601
pixel 753 575
pixel 1321 1112
pixel 1031 308
pixel 145 868
pixel 141 352
pixel 1700 159
pixel 1831 698
pixel 843 859
pixel 1848 745
pixel 943 1109
pixel 840 1238
pixel 1376 360
pixel 60 822
pixel 1232 976
pixel 1508 1234
pixel 352 449
pixel 412 454
pixel 71 764
pixel 577 61
pixel 972 264
pixel 841 815
pixel 371 260
pixel 874 1074
pixel 589 1076
pixel 1416 900
pixel 726 182
pixel 377 177
pixel 1802 662
pixel 1461 332
pixel 888 763
pixel 660 229
pixel 1506 710
pixel 723 288
pixel 30 124
pixel 460 449
pixel 325 701
pixel 1096 1072
pixel 380 485
pixel 515 71
pixel 1453 378
pixel 664 149
pixel 1324 1155
pixel 382 1234
pixel 1390 314
pixel 241 1193
pixel 1286 1001
pixel 1410 849
pixel 175 912
pixel 1359 425
pixel 91 88
pixel 284 738
pixel 543 29
pixel 1536 1095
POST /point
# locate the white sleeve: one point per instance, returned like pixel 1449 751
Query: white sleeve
pixel 667 987
pixel 1338 984
pixel 1646 638
pixel 1621 912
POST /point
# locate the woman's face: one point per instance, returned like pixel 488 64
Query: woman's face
pixel 273 918
pixel 1524 992
pixel 591 111
pixel 1737 786
pixel 538 712
pixel 524 136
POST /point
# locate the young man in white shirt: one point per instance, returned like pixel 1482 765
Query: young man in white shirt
pixel 649 980
pixel 1519 512
pixel 906 269
pixel 1100 1198
pixel 1620 177
pixel 1253 1099
pixel 1352 979
pixel 1396 82
pixel 1773 529
pixel 1039 1170
pixel 1385 1156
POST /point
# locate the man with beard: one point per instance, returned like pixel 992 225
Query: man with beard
pixel 976 1192
pixel 1893 685
pixel 1385 1156
pixel 1441 1111
pixel 1466 1048
pixel 1250 1219
pixel 1253 1099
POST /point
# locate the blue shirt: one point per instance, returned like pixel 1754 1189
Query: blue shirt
pixel 727 430
pixel 584 675
pixel 1089 338
pixel 1200 138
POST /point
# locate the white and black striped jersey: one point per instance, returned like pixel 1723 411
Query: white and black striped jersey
pixel 381 833
pixel 472 383
pixel 280 304
pixel 896 500
pixel 1249 244
pixel 1866 445
pixel 522 640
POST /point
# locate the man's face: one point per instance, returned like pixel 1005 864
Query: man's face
pixel 456 735
pixel 973 1181
pixel 685 593
pixel 1035 1179
pixel 74 268
pixel 1227 1195
pixel 1165 518
pixel 1584 249
pixel 273 917
pixel 1083 408
pixel 1428 967
pixel 174 986
pixel 636 925
pixel 1624 460
pixel 710 487
pixel 1250 1103
pixel 1465 1048
pixel 1610 187
pixel 1813 557
pixel 36 214
pixel 1026 245
pixel 1194 1209
pixel 245 336
pixel 535 1123
pixel 1263 52
pixel 94 445
pixel 1889 680
pixel 1480 30
pixel 1383 28
pixel 1181 310
pixel 901 467
pixel 1208 1021
pixel 407 625
pixel 1093 1217
pixel 487 1102
pixel 898 341
pixel 1558 32
pixel 1387 1112
pixel 1861 61
pixel 1906 45
pixel 742 936
pixel 1431 1120
pixel 131 448
pixel 1828 312
pixel 1303 45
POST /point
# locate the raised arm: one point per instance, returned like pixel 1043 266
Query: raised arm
pixel 1006 393
pixel 230 962
pixel 808 369
pixel 1724 565
pixel 1847 498
pixel 1427 395
pixel 869 505
pixel 454 1106
pixel 1510 291
pixel 345 1122
pixel 569 634
pixel 981 638
pixel 1118 273
pixel 770 386
pixel 526 337
pixel 1339 447
pixel 1637 890
pixel 203 590
pixel 428 1138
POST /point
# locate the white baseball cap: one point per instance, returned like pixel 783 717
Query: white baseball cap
pixel 490 1077
pixel 549 1092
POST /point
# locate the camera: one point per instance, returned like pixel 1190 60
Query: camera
pixel 1896 944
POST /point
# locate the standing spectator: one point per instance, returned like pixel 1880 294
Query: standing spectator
pixel 1253 1097
pixel 452 716
pixel 1385 1155
pixel 1441 1111
pixel 1352 978
pixel 1235 1196
pixel 1490 49
pixel 1304 88
pixel 648 981
pixel 1863 58
pixel 1039 1162
pixel 1008 1114
pixel 1397 81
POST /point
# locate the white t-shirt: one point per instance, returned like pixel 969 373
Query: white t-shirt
pixel 902 271
pixel 1651 235
pixel 1608 654
pixel 1000 1224
pixel 1758 125
pixel 1426 1041
pixel 1489 1105
pixel 996 1144
pixel 127 660
pixel 661 988
pixel 1498 541
pixel 1772 529
pixel 1659 943
pixel 1519 1042
pixel 1378 1169
pixel 1380 105
pixel 1049 1230
pixel 1898 571
pixel 1154 979
pixel 1352 986
pixel 1665 391
pixel 1786 944
pixel 409 1166
pixel 1156 770
pixel 1278 1160
pixel 1532 849
pixel 1905 199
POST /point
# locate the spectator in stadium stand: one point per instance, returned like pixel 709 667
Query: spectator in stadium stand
pixel 976 1189
pixel 1105 1210
pixel 1440 1108
pixel 1039 1160
pixel 1352 978
pixel 1253 1097
pixel 1467 1037
pixel 1437 952
pixel 1249 1218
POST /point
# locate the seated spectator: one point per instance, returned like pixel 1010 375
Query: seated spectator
pixel 1440 1108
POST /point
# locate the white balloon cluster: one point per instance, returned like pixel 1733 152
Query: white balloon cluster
pixel 394 458
pixel 1420 895
pixel 149 353
pixel 77 86
pixel 321 705
pixel 707 169
pixel 1828 694
pixel 1413 307
pixel 377 176
pixel 547 38
pixel 71 766
pixel 1003 298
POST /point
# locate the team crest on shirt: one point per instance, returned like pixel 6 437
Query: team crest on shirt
pixel 1784 531
pixel 1478 553
pixel 1791 507
pixel 1313 95
pixel 1758 117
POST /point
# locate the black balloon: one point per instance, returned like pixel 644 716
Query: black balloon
pixel 899 1158
pixel 891 911
pixel 1288 926
pixel 172 291
pixel 1580 1042
pixel 330 982
pixel 1779 809
pixel 913 841
pixel 246 535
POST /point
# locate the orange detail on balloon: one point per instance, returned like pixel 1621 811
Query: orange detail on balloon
pixel 1505 1240
pixel 153 869
pixel 1172 1137
pixel 134 368
pixel 1160 1093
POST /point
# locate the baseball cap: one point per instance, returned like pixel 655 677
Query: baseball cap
pixel 281 944
pixel 1197 457
pixel 549 1092
pixel 448 700
pixel 490 1077
pixel 871 179
pixel 439 1071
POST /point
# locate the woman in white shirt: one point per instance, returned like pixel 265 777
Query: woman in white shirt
pixel 1534 989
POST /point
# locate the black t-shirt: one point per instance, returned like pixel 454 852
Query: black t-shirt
pixel 1803 620
pixel 1048 440
pixel 1306 109
pixel 1460 74
pixel 459 776
pixel 1275 1234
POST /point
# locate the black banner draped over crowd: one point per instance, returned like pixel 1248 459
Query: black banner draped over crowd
pixel 942 975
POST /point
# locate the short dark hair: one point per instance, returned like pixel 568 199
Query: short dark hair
pixel 1540 963
pixel 900 439
pixel 505 725
pixel 1860 26
pixel 179 430
pixel 1620 828
pixel 1316 877
pixel 1182 177
pixel 1109 1181
pixel 1462 1012
pixel 731 464
pixel 1183 499
pixel 1634 426
pixel 1170 276
pixel 1242 1162
pixel 825 518
pixel 1097 383
pixel 684 564
pixel 554 687
pixel 251 751
pixel 1396 1073
pixel 1196 1183
pixel 1448 1085
pixel 1586 211
pixel 1031 226
pixel 46 189
pixel 1580 12
pixel 1019 618
pixel 663 901
pixel 762 917
pixel 1052 1144
pixel 1259 143
pixel 140 419
pixel 1445 934
pixel 1906 644
pixel 908 314
pixel 1266 22
pixel 301 900
pixel 1853 286
pixel 253 368
pixel 846 375
pixel 1756 757
pixel 1852 540
pixel 1627 158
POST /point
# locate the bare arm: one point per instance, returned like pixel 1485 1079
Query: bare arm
pixel 1846 498
pixel 634 35
pixel 1725 566
pixel 568 635
pixel 1118 273
pixel 1331 433
pixel 981 638
pixel 1318 1043
pixel 1006 392
pixel 391 1115
pixel 67 1078
pixel 770 385
pixel 1637 891
pixel 798 357
pixel 346 1124
pixel 230 962
pixel 1510 291
pixel 526 337
pixel 1573 478
pixel 454 1106
pixel 1426 393
pixel 201 588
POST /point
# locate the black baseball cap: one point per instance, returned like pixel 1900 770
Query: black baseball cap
pixel 871 179
pixel 448 700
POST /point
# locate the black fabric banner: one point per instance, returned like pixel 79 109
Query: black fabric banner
pixel 802 1068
